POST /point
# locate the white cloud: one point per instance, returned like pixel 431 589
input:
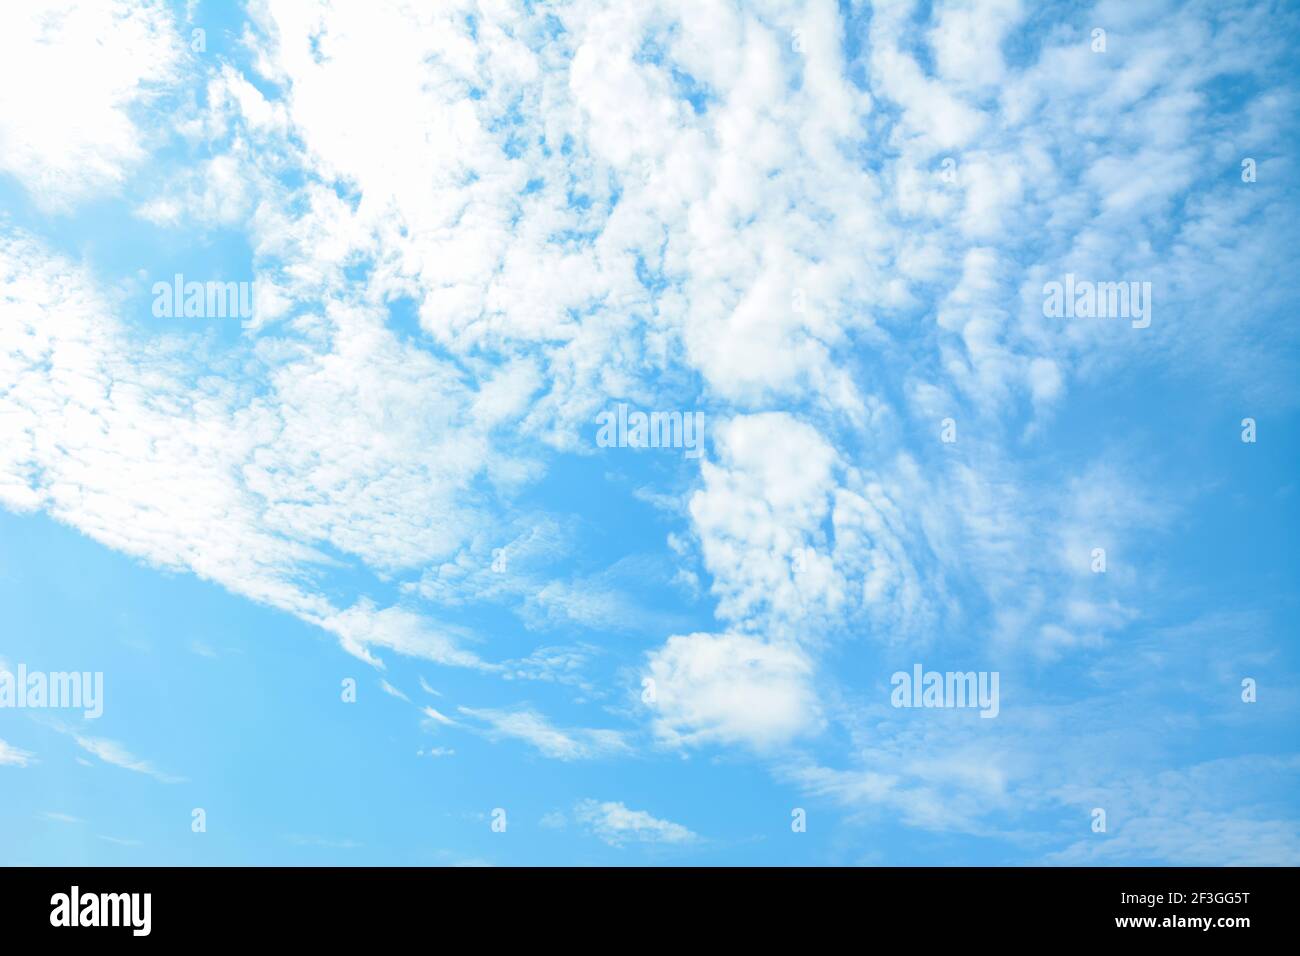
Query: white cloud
pixel 436 752
pixel 616 825
pixel 120 841
pixel 203 650
pixel 71 78
pixel 732 689
pixel 562 744
pixel 112 752
pixel 184 474
pixel 437 716
pixel 768 494
pixel 215 193
pixel 11 756
pixel 362 626
pixel 60 817
pixel 553 820
pixel 1189 816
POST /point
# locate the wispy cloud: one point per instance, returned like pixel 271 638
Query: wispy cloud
pixel 11 756
pixel 112 752
pixel 615 824
pixel 60 817
pixel 120 841
pixel 437 716
pixel 535 730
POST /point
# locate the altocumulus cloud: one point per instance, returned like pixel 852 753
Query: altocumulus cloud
pixel 829 246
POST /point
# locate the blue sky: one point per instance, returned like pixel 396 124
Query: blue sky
pixel 825 227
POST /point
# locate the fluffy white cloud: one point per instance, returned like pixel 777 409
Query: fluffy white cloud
pixel 123 440
pixel 800 545
pixel 731 689
pixel 71 78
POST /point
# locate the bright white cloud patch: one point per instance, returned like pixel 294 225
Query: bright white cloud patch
pixel 732 689
pixel 73 77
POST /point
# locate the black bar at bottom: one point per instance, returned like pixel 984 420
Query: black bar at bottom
pixel 338 905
